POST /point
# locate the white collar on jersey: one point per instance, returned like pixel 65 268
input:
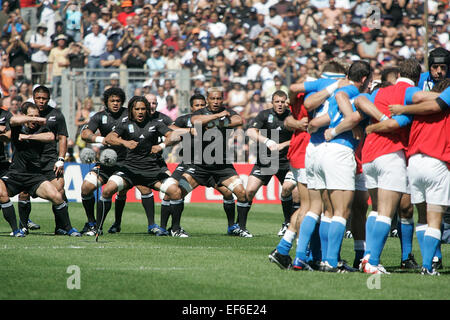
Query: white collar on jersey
pixel 401 79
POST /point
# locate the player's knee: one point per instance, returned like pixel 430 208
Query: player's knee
pixel 24 196
pixel 250 194
pixel 109 190
pixel 241 195
pixel 174 192
pixel 407 212
pixel 55 197
pixel 285 193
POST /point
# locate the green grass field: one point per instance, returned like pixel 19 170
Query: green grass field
pixel 209 265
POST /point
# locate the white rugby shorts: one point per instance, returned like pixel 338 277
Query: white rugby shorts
pixel 387 172
pixel 429 179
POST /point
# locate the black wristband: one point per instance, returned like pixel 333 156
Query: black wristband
pixel 61 159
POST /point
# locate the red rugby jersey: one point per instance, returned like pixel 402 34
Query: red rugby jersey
pixel 300 139
pixel 379 144
pixel 430 135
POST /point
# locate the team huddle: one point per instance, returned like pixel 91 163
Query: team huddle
pixel 333 143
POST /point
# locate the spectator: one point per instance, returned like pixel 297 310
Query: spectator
pixel 161 98
pixel 394 8
pixel 134 59
pixel 14 107
pixel 40 45
pixel 368 48
pixel 172 41
pixel 114 81
pixel 127 40
pixel 114 32
pixel 263 6
pixel 171 109
pixel 127 7
pixel 155 62
pixel 92 6
pixel 4 14
pixel 105 17
pixel 12 93
pixel 72 16
pixel 46 12
pixel 95 42
pixel 273 21
pixel 8 75
pixel 110 60
pixel 216 27
pixel 259 28
pixel 57 61
pixel 331 16
pixel 28 11
pixel 17 50
pixel 78 58
pixel 24 90
pixel 15 26
pixel 407 51
pixel 237 97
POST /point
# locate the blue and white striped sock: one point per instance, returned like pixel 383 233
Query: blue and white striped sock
pixel 323 233
pixel 335 236
pixel 380 233
pixel 285 244
pixel 431 240
pixel 306 230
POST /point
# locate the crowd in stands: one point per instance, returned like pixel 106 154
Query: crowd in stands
pixel 251 48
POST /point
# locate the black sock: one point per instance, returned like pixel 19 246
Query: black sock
pixel 10 214
pixel 230 210
pixel 103 207
pixel 149 206
pixel 119 205
pixel 89 207
pixel 176 207
pixel 61 212
pixel 286 204
pixel 165 213
pixel 242 209
pixel 24 212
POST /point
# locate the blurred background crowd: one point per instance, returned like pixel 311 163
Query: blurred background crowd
pixel 249 47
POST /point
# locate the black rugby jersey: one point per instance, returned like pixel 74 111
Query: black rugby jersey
pixel 209 136
pixel 56 124
pixel 146 134
pixel 268 120
pixel 27 154
pixel 105 121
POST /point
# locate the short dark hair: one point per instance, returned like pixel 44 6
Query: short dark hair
pixel 41 88
pixel 132 104
pixel 335 67
pixel 279 93
pixel 27 105
pixel 410 68
pixel 387 71
pixel 114 92
pixel 358 70
pixel 196 96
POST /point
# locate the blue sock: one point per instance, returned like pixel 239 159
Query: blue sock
pixel 420 232
pixel 323 233
pixel 335 236
pixel 369 228
pixel 306 230
pixel 314 245
pixel 380 233
pixel 431 240
pixel 285 244
pixel 406 232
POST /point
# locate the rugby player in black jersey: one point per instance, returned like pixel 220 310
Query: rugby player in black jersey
pixel 197 102
pixel 53 155
pixel 30 137
pixel 268 130
pixel 215 120
pixel 142 166
pixel 98 127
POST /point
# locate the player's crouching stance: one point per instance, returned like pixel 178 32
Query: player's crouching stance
pixel 28 136
pixel 143 169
